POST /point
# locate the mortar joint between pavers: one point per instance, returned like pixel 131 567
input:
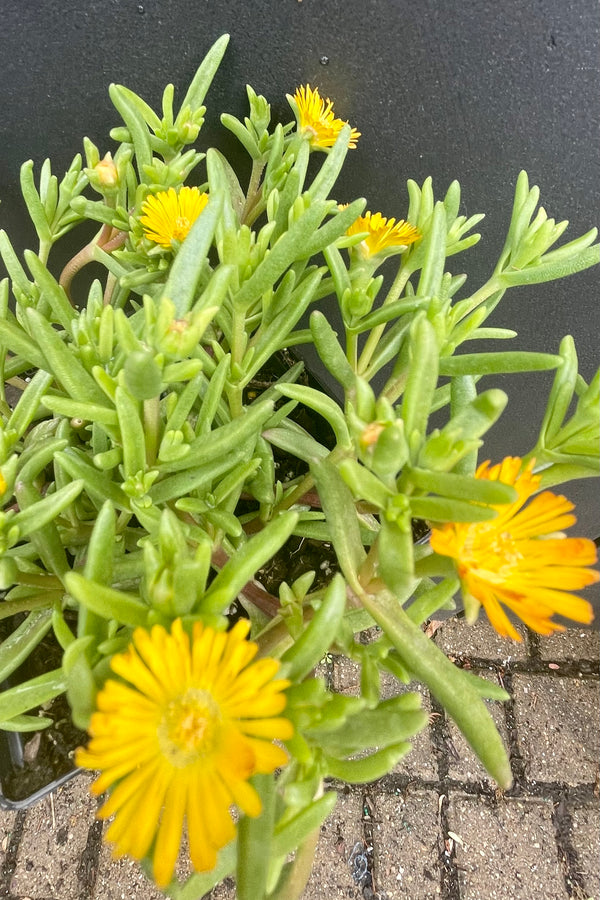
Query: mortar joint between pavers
pixel 517 763
pixel 89 863
pixel 534 645
pixel 567 854
pixel 449 881
pixel 368 821
pixel 440 738
pixel 581 669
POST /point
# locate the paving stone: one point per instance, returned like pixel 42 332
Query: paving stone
pixel 223 891
pixel 457 638
pixel 407 838
pixel 463 764
pixel 585 837
pixel 558 723
pixel 346 676
pixel 122 879
pixel 574 643
pixel 54 837
pixel 506 851
pixel 331 876
pixel 184 867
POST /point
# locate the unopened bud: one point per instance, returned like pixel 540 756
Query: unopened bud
pixel 371 434
pixel 108 176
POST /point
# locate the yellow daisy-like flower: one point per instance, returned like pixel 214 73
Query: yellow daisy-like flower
pixel 317 119
pixel 168 216
pixel 520 559
pixel 383 234
pixel 180 739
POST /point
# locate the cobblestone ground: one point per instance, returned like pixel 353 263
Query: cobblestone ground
pixel 434 828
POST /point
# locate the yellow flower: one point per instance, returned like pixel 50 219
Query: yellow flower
pixel 180 739
pixel 168 216
pixel 316 118
pixel 520 559
pixel 383 234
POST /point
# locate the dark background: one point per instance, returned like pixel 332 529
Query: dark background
pixel 469 90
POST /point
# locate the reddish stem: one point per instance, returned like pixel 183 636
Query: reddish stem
pixel 109 239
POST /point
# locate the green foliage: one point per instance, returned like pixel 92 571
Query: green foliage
pixel 138 470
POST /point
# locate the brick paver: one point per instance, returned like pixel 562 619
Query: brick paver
pixel 434 828
pixel 558 721
pixel 505 850
pixel 120 879
pixel 575 644
pixel 53 841
pixel 457 638
pixel 332 876
pixel 407 845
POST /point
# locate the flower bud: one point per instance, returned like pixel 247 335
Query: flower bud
pixel 371 434
pixel 106 172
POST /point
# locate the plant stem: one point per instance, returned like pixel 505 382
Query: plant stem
pixel 44 251
pixel 111 284
pixel 108 238
pixel 368 569
pixel 394 293
pixel 151 428
pixel 44 581
pixel 27 604
pixel 352 349
pixel 239 341
pixel 253 195
pixel 81 259
pixel 252 591
pixel 481 294
pixel 393 391
pixel 302 488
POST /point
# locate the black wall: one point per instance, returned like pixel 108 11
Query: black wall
pixel 470 90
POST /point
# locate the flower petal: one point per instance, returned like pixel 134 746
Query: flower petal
pixel 520 559
pixel 172 742
pixel 168 839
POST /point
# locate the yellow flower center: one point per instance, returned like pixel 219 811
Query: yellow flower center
pixel 188 728
pixel 492 554
pixel 181 228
